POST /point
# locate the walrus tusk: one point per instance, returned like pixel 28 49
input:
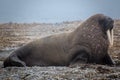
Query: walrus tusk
pixel 110 36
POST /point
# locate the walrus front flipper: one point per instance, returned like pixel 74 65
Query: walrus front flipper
pixel 81 57
pixel 13 61
pixel 108 60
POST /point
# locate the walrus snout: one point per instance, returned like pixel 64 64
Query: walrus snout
pixel 106 23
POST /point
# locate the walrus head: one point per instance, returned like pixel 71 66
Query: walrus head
pixel 106 24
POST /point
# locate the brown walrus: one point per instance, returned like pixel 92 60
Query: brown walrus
pixel 89 43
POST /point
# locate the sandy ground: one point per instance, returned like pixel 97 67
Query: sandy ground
pixel 13 35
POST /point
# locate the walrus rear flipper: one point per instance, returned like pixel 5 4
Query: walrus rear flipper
pixel 13 61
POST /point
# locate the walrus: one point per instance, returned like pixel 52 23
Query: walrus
pixel 89 43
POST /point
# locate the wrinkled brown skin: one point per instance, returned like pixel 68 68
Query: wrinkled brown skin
pixel 87 44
